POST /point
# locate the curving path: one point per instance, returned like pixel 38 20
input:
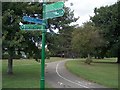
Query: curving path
pixel 58 77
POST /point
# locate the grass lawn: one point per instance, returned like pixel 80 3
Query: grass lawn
pixel 26 74
pixel 104 72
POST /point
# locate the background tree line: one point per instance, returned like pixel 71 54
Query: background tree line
pixel 98 38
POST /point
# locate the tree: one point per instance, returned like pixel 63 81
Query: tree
pixel 61 43
pixel 107 19
pixel 85 39
pixel 13 39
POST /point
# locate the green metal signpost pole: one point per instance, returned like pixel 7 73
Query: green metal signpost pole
pixel 42 81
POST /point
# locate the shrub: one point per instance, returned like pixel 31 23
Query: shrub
pixel 88 61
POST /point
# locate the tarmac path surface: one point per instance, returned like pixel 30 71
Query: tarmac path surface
pixel 59 77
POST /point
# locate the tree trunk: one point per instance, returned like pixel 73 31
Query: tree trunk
pixel 89 57
pixel 118 57
pixel 10 66
pixel 10 61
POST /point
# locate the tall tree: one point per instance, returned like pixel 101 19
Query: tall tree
pixel 86 39
pixel 13 39
pixel 107 19
pixel 61 43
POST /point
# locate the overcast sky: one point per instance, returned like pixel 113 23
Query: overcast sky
pixel 85 8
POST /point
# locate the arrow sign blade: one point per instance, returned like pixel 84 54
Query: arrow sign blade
pixel 57 13
pixel 54 6
pixel 33 20
pixel 31 27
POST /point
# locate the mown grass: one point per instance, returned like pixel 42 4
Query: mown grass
pixel 26 74
pixel 104 72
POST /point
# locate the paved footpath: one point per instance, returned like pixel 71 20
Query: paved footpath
pixel 59 77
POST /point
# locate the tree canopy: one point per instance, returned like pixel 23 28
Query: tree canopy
pixel 107 19
pixel 86 39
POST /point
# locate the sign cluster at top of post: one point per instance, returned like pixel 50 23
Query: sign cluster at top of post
pixel 51 11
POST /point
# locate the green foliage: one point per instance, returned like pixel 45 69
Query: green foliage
pixel 86 38
pixel 107 19
pixel 88 61
pixel 6 56
pixel 14 38
pixel 61 43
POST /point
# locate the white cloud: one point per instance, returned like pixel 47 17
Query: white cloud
pixel 85 8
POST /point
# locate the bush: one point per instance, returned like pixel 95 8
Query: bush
pixel 6 56
pixel 88 61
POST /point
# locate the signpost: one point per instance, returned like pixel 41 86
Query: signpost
pixel 49 11
pixel 42 80
pixel 33 20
